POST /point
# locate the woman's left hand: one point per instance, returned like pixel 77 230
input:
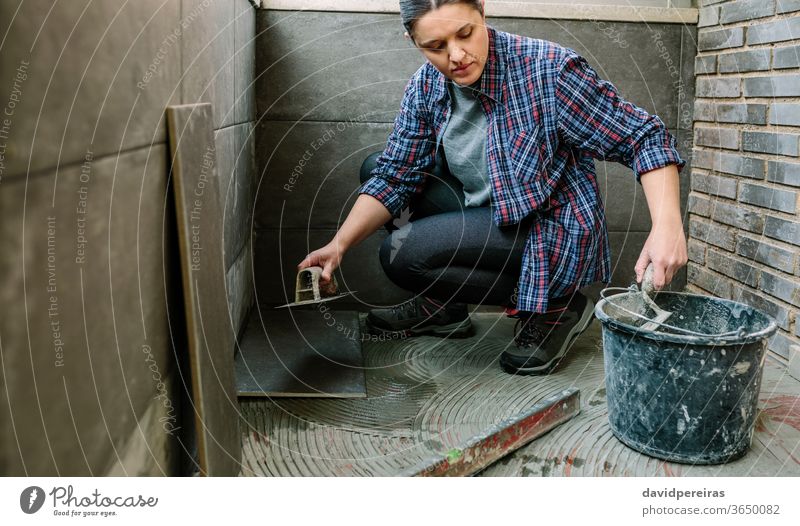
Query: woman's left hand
pixel 666 249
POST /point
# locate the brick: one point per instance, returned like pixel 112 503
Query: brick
pixel 785 57
pixel 770 308
pixel 781 344
pixel 780 288
pixel 708 16
pixel 777 31
pixel 720 39
pixel 717 137
pixel 699 205
pixel 770 255
pixel 708 281
pixel 785 114
pixel 718 88
pixel 704 159
pixel 714 185
pixel 783 173
pixel 775 86
pixel 696 251
pixel 746 10
pixel 738 270
pixel 712 234
pixel 788 6
pixel 732 113
pixel 744 61
pixel 706 65
pixel 772 198
pixel 729 163
pixel 738 164
pixel 765 142
pixel 736 215
pixel 783 230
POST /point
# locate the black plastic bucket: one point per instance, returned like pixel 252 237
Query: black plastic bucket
pixel 688 390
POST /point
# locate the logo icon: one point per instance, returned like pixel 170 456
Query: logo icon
pixel 31 499
pixel 400 235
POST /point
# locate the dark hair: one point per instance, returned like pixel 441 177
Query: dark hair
pixel 413 10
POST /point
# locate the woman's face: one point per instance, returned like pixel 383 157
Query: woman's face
pixel 454 39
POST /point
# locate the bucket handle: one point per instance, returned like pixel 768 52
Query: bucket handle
pixel 738 333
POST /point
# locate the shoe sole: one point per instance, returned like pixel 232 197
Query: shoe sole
pixel 586 319
pixel 460 329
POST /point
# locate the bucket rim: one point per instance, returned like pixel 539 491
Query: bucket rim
pixel 750 337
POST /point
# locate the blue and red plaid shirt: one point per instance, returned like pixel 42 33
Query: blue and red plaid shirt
pixel 549 116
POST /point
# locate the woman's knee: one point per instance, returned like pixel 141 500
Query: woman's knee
pixel 400 263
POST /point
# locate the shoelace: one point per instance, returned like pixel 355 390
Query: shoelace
pixel 532 332
pixel 402 310
pixel 410 308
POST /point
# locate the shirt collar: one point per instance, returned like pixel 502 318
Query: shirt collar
pixel 491 81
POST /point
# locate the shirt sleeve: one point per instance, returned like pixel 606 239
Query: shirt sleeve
pixel 592 117
pixel 401 168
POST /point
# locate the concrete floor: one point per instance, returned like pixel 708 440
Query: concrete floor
pixel 427 395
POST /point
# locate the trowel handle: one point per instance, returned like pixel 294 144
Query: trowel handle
pixel 647 286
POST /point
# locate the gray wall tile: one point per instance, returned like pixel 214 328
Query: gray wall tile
pixel 327 183
pixel 244 62
pixel 110 306
pixel 79 89
pixel 301 50
pixel 208 47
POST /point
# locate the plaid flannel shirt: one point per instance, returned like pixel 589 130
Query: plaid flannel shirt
pixel 549 116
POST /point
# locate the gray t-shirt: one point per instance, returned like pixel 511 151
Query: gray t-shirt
pixel 464 142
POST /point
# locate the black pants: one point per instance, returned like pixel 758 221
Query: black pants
pixel 440 248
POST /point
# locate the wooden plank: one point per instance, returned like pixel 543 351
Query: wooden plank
pixel 301 353
pixel 502 438
pixel 200 220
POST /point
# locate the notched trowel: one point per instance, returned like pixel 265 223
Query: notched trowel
pixel 309 289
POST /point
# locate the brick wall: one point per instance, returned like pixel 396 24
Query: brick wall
pixel 744 221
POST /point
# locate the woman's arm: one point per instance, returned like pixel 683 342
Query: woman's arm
pixel 366 216
pixel 666 245
pixel 593 117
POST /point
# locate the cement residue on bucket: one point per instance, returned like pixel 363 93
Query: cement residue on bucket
pixel 686 391
pixel 692 315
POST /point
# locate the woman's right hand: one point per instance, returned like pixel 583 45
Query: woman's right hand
pixel 328 257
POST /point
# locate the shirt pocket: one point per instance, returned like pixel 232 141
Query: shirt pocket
pixel 528 155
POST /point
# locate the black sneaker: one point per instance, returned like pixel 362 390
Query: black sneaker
pixel 545 338
pixel 422 315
